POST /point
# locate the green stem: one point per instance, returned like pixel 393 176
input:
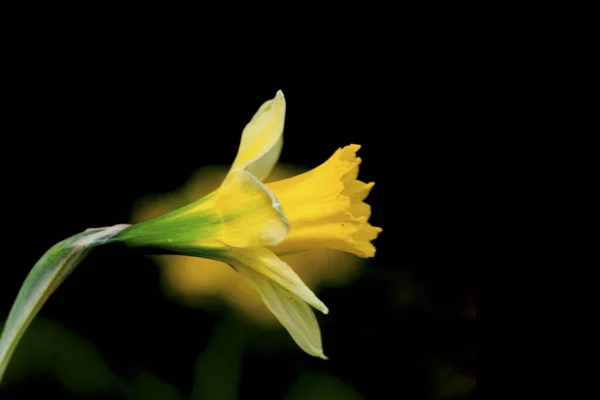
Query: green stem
pixel 43 279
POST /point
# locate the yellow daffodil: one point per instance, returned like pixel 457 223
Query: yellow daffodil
pixel 206 283
pixel 244 222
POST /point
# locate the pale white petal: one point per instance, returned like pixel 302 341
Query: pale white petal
pixel 293 312
pixel 264 262
pixel 262 139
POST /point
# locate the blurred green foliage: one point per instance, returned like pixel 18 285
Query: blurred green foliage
pixel 50 350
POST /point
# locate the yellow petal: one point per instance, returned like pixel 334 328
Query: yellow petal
pixel 262 139
pixel 251 214
pixel 268 265
pixel 293 312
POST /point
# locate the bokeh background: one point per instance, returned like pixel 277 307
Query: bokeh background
pixel 98 133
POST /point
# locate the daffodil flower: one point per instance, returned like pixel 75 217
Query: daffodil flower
pixel 246 223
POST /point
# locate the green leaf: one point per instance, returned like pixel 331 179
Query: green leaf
pixel 48 348
pixel 320 386
pixel 149 386
pixel 218 367
pixel 43 279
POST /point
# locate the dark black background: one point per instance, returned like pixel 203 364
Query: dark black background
pixel 90 127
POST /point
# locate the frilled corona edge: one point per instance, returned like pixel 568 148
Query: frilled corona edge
pixel 325 207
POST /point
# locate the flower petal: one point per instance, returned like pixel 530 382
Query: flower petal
pixel 262 139
pixel 293 312
pixel 251 213
pixel 267 264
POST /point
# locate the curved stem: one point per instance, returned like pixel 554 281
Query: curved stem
pixel 43 279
